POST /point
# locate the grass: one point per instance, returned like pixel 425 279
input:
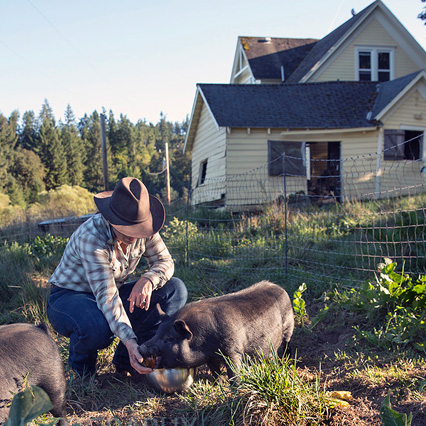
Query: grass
pixel 227 256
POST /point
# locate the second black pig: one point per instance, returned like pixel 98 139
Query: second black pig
pixel 247 322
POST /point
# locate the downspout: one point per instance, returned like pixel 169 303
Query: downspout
pixel 380 141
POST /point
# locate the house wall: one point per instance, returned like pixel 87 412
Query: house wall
pixel 358 159
pixel 410 115
pixel 209 144
pixel 343 64
pixel 248 180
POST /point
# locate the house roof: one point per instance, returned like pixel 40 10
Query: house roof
pixel 325 105
pixel 266 55
pixel 328 44
pixel 388 91
pixel 328 105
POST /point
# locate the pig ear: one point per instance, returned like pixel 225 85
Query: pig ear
pixel 182 328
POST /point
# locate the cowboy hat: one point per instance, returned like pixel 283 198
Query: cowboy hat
pixel 130 209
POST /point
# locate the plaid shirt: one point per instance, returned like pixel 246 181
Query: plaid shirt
pixel 93 261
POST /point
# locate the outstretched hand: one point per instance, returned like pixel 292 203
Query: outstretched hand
pixel 136 358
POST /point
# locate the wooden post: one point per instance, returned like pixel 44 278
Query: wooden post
pixel 104 153
pixel 167 174
pixel 380 142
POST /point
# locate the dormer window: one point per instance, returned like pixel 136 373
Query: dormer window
pixel 374 64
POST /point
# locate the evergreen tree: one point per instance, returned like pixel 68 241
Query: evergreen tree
pixel 93 174
pixel 8 141
pixel 15 192
pixel 46 113
pixel 73 148
pixel 28 171
pixel 28 136
pixel 180 163
pixel 52 155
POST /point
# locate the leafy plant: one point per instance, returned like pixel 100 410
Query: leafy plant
pixel 391 417
pixel 394 307
pixel 28 405
pixel 299 305
pixel 45 246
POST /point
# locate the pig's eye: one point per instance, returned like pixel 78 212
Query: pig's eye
pixel 169 339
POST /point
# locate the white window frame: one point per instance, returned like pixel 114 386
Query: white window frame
pixel 374 52
pixel 423 145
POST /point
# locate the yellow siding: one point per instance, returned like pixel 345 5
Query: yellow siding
pixel 248 180
pixel 403 173
pixel 411 113
pixel 209 144
pixel 343 65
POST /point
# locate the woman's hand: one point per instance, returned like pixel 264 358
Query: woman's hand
pixel 141 294
pixel 136 358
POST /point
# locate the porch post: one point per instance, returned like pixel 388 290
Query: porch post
pixel 380 141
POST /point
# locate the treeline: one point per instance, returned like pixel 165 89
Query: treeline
pixel 37 153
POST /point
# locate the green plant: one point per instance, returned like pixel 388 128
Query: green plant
pixel 393 308
pixel 299 305
pixel 45 246
pixel 275 383
pixel 28 405
pixel 391 417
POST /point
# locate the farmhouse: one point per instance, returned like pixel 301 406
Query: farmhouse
pixel 341 117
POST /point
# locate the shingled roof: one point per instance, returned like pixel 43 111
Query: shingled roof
pixel 326 105
pixel 388 91
pixel 329 105
pixel 327 45
pixel 266 55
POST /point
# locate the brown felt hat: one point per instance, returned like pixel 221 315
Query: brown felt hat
pixel 130 209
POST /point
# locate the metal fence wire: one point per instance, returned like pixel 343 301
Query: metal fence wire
pixel 334 222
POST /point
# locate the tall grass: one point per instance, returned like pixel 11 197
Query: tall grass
pixel 266 391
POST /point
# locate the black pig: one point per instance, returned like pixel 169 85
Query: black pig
pixel 248 322
pixel 29 351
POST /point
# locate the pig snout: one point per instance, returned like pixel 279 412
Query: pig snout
pixel 151 355
pixel 149 350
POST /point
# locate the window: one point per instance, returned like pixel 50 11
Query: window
pixel 294 163
pixel 364 66
pixel 375 64
pixel 403 145
pixel 203 172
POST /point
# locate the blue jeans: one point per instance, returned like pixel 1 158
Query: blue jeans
pixel 74 314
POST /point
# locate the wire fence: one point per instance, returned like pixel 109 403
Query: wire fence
pixel 334 222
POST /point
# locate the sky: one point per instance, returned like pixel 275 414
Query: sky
pixel 144 58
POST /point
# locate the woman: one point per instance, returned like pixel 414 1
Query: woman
pixel 90 301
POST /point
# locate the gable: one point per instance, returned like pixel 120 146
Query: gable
pixel 372 35
pixel 241 72
pixel 409 112
pixel 270 59
pixel 381 27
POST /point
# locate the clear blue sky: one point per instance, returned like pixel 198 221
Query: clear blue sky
pixel 140 57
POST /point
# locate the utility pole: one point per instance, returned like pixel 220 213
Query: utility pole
pixel 167 174
pixel 104 153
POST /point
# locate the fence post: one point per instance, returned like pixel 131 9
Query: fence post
pixel 187 220
pixel 285 217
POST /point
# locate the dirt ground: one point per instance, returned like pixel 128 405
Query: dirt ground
pixel 327 350
pixel 369 385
